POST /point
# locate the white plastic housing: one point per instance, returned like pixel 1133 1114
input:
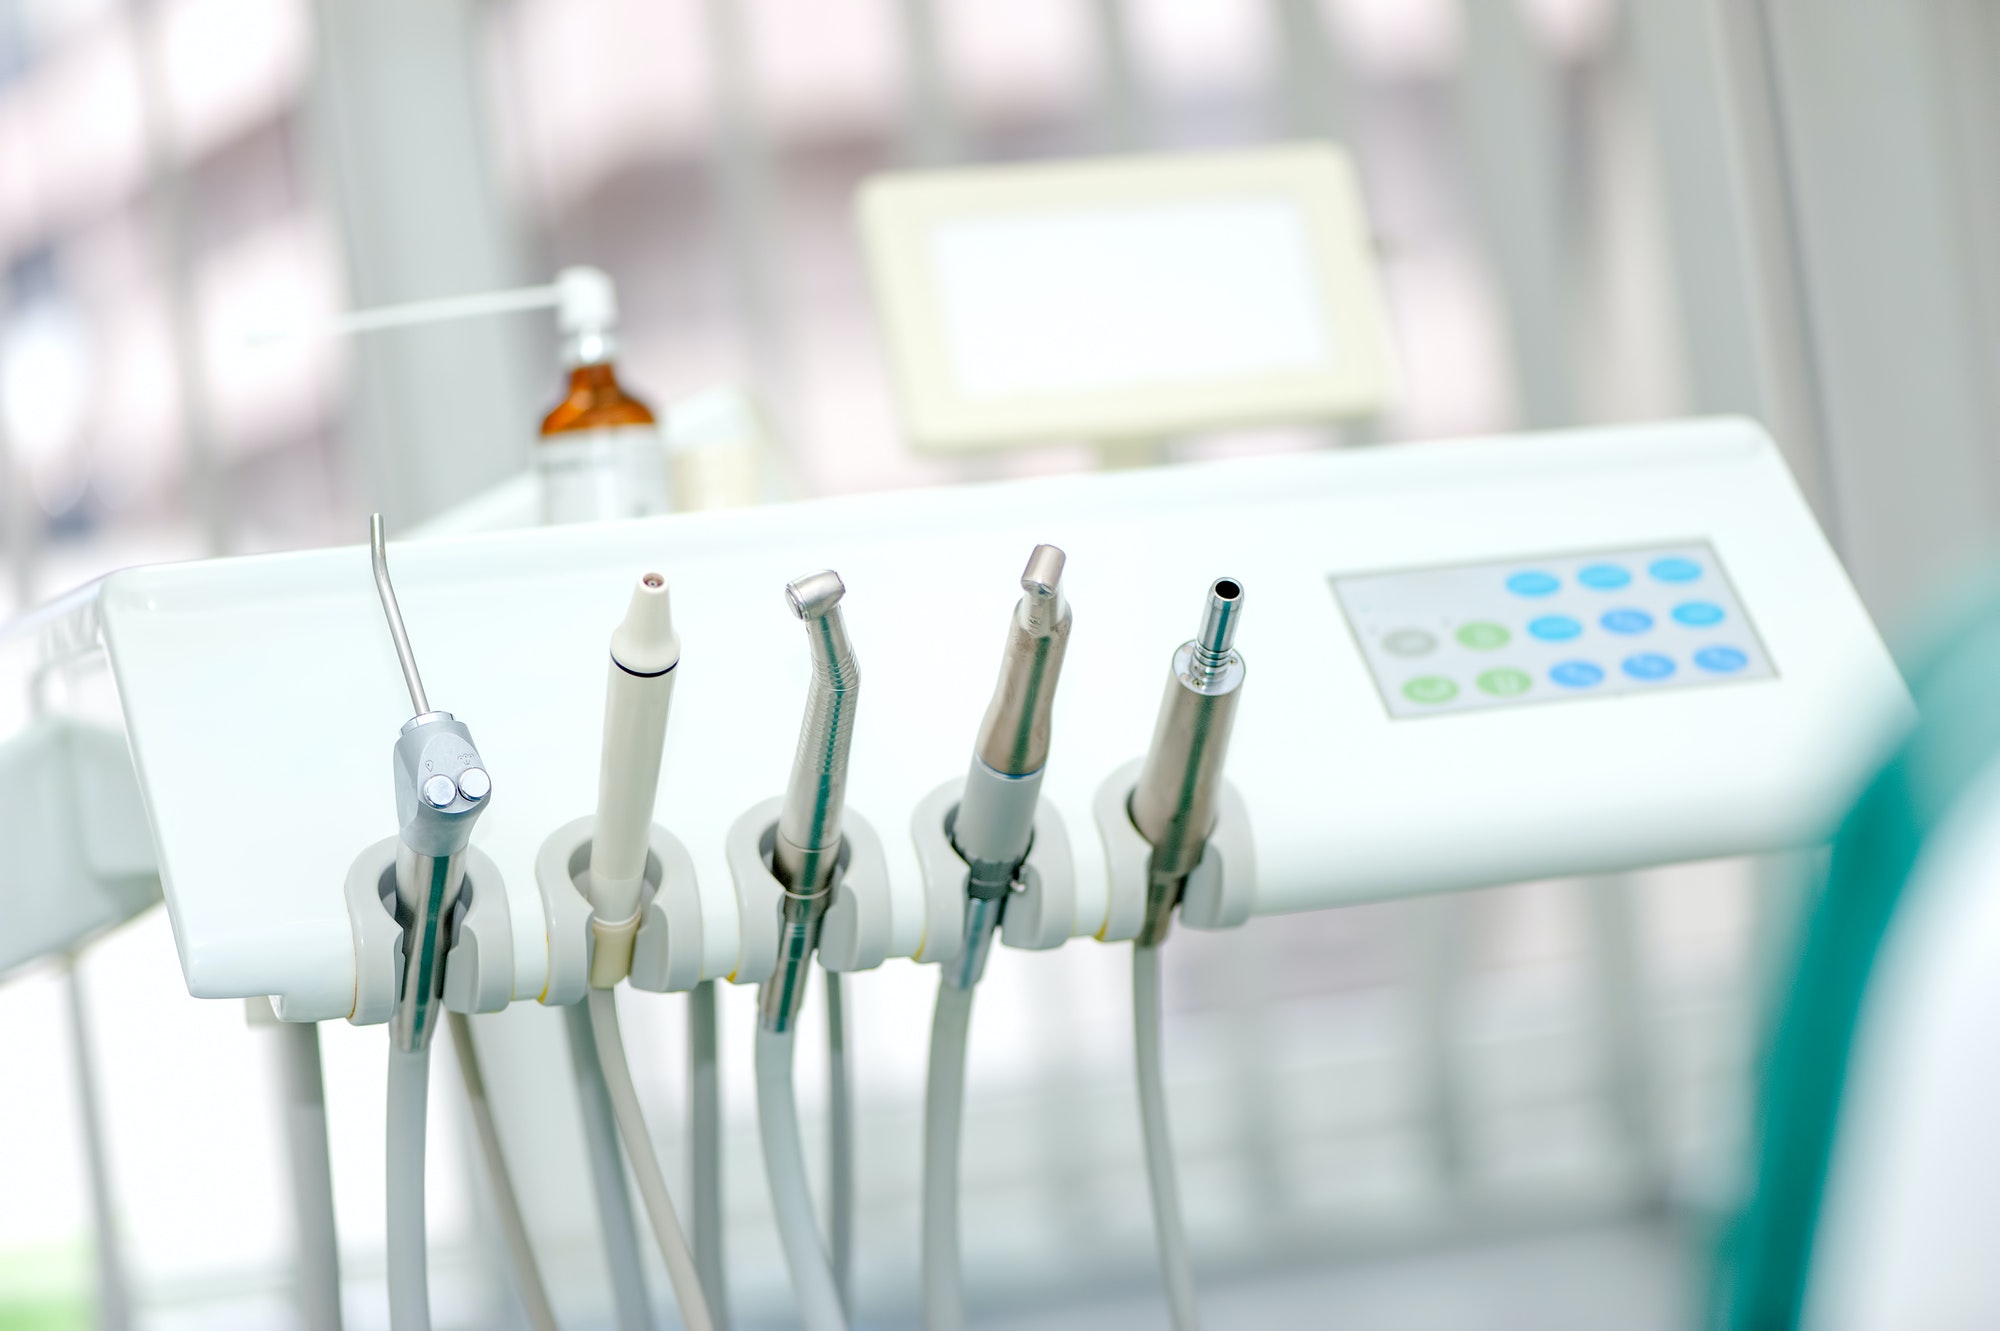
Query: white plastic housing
pixel 1221 892
pixel 75 855
pixel 1041 911
pixel 666 946
pixel 857 933
pixel 1346 803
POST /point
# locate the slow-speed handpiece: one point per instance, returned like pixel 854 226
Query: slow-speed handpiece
pixel 992 831
pixel 1174 805
pixel 1174 808
pixel 996 815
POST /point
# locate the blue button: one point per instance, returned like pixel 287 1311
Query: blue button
pixel 1575 674
pixel 1674 569
pixel 1698 614
pixel 1603 577
pixel 1648 665
pixel 1554 628
pixel 1626 621
pixel 1534 582
pixel 1722 660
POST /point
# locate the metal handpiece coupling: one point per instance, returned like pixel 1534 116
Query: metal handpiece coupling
pixel 441 789
pixel 1180 785
pixel 994 823
pixel 805 852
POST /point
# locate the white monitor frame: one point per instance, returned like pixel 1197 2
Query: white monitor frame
pixel 1317 353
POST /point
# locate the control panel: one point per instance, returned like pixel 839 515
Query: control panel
pixel 1471 636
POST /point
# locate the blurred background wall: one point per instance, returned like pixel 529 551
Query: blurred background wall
pixel 1520 1107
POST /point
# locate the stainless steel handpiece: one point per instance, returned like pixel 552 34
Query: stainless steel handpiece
pixel 995 821
pixel 1180 785
pixel 441 789
pixel 806 852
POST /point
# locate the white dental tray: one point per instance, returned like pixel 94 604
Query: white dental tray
pixel 262 695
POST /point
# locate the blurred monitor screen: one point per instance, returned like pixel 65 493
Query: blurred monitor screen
pixel 1123 299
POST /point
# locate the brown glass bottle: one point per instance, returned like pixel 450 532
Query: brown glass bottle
pixel 601 454
pixel 595 401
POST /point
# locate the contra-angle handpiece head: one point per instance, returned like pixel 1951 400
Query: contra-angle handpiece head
pixel 806 850
pixel 441 789
pixel 1180 784
pixel 995 821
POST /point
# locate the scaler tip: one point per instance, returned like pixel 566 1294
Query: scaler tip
pixel 644 642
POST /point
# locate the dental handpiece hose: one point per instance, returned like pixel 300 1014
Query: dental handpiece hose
pixel 992 832
pixel 638 692
pixel 1174 806
pixel 441 789
pixel 805 861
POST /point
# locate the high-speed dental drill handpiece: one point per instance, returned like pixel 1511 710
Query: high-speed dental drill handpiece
pixel 807 850
pixel 1180 785
pixel 441 789
pixel 644 652
pixel 996 814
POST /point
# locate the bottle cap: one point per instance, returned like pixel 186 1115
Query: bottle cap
pixel 585 300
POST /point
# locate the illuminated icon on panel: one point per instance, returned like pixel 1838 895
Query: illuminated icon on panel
pixel 1648 665
pixel 1430 689
pixel 1576 674
pixel 1721 660
pixel 1604 577
pixel 1482 635
pixel 1626 621
pixel 1674 568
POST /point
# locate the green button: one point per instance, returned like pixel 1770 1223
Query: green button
pixel 1482 636
pixel 1505 682
pixel 1430 689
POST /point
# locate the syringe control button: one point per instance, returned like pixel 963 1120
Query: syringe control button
pixel 474 784
pixel 439 791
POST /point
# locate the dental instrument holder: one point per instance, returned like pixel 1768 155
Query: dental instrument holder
pixel 1221 889
pixel 854 930
pixel 1040 909
pixel 666 942
pixel 479 962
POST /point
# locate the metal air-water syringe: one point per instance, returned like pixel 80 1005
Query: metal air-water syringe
pixel 441 789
